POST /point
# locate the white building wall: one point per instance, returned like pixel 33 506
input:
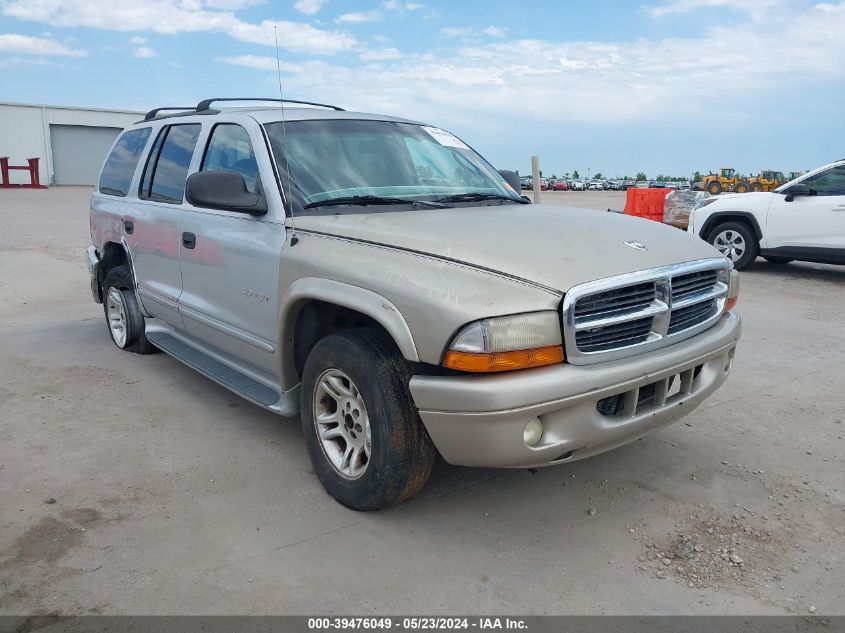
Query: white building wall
pixel 25 132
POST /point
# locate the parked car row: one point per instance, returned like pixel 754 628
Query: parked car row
pixel 570 184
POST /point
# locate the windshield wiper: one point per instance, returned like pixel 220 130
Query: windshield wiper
pixel 477 196
pixel 367 200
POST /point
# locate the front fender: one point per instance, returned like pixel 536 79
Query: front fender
pixel 349 296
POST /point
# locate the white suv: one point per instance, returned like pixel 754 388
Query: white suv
pixel 803 219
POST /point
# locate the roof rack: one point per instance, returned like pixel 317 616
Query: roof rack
pixel 204 105
pixel 153 113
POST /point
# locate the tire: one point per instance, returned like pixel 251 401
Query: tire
pixel 741 187
pixel 361 367
pixel 729 237
pixel 778 260
pixel 119 299
pixel 756 187
pixel 714 188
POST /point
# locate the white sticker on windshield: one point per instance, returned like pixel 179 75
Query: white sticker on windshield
pixel 447 139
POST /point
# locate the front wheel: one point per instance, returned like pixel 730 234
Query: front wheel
pixel 123 314
pixel 736 242
pixel 366 442
pixel 741 187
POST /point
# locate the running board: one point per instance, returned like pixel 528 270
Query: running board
pixel 221 373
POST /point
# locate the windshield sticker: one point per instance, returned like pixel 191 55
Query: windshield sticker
pixel 447 139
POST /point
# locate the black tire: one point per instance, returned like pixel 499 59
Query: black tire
pixel 714 188
pixel 778 260
pixel 756 187
pixel 752 247
pixel 402 454
pixel 741 187
pixel 120 278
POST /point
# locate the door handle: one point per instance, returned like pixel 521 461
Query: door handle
pixel 128 227
pixel 189 240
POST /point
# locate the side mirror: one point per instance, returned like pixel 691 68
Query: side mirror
pixel 512 178
pixel 224 190
pixel 798 189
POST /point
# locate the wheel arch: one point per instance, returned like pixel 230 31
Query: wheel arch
pixel 326 293
pixel 720 217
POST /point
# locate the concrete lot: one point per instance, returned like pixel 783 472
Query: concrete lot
pixel 131 484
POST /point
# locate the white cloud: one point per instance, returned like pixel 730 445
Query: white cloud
pixel 359 17
pixel 752 7
pixel 395 5
pixel 145 52
pixel 163 16
pixel 294 36
pixel 309 7
pixel 494 31
pixel 138 40
pixel 456 31
pixel 260 63
pixel 666 80
pixel 381 54
pixel 27 45
pixel 469 31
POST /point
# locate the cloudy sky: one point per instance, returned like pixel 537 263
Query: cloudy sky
pixel 668 86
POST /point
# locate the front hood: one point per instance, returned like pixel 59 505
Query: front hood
pixel 556 247
pixel 745 197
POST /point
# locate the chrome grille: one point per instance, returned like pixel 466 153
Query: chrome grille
pixel 610 336
pixel 634 313
pixel 686 317
pixel 616 301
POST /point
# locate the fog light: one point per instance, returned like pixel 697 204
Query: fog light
pixel 533 432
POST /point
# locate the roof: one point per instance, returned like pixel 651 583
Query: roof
pixel 267 113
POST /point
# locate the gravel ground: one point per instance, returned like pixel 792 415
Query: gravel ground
pixel 131 484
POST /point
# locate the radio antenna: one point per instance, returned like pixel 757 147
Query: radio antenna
pixel 293 238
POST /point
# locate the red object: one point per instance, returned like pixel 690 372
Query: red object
pixel 560 185
pixel 646 203
pixel 31 167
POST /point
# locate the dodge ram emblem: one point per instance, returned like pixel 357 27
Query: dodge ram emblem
pixel 636 245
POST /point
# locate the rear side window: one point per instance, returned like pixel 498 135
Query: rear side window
pixel 167 166
pixel 122 161
pixel 229 149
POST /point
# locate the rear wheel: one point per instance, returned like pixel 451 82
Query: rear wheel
pixel 736 242
pixel 714 188
pixel 366 442
pixel 123 314
pixel 778 260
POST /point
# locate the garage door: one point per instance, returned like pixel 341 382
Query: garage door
pixel 79 152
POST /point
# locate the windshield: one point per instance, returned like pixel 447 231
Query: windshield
pixel 355 162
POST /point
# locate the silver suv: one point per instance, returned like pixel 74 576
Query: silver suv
pixel 379 278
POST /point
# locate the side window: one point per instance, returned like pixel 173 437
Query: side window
pixel 167 166
pixel 828 183
pixel 122 161
pixel 229 149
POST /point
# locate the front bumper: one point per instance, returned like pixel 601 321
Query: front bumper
pixel 479 420
pixel 93 261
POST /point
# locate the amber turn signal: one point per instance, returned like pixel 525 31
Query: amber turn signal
pixel 730 304
pixel 503 361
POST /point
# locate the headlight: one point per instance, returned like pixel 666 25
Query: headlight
pixel 703 202
pixel 506 343
pixel 733 291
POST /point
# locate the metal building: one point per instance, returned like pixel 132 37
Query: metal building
pixel 71 142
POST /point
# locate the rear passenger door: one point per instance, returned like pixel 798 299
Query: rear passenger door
pixel 230 270
pixel 155 240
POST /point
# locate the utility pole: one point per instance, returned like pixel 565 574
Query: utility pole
pixel 535 178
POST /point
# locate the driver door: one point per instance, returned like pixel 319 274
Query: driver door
pixel 810 225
